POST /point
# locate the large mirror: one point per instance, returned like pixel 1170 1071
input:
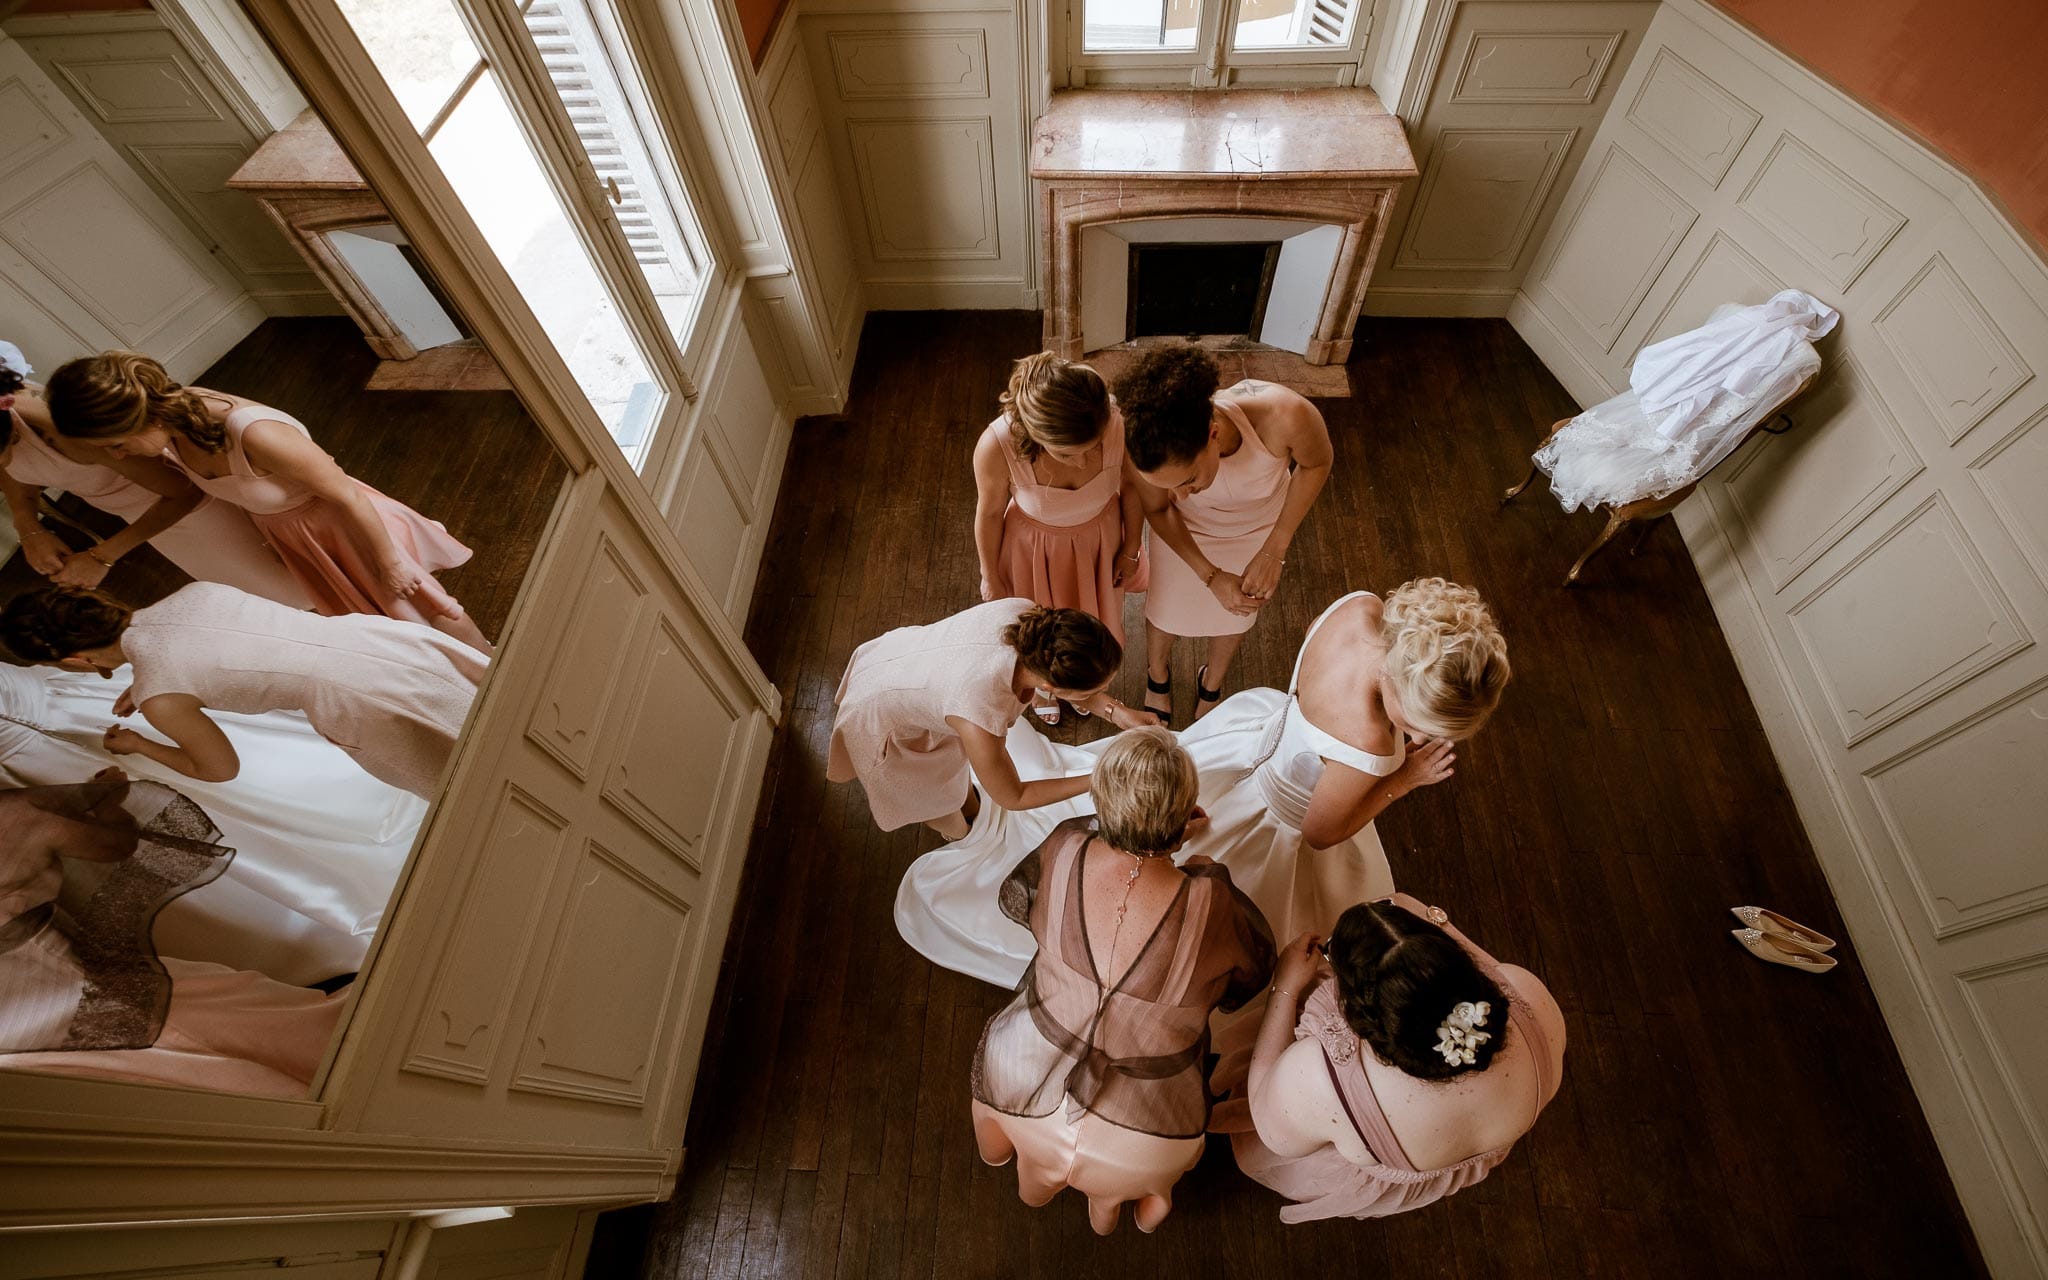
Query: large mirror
pixel 271 502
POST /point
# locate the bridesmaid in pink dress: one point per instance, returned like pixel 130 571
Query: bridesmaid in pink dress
pixel 391 694
pixel 1228 479
pixel 1056 516
pixel 1368 1103
pixel 352 548
pixel 919 705
pixel 211 541
pixel 1092 1076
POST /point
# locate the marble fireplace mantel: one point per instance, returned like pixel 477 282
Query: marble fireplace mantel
pixel 1332 156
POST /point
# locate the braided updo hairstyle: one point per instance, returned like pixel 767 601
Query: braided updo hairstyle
pixel 1445 656
pixel 54 623
pixel 1165 399
pixel 1066 646
pixel 1399 977
pixel 118 393
pixel 1054 401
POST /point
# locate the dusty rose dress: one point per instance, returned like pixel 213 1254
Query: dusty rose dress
pixel 215 542
pixel 1099 1086
pixel 1326 1184
pixel 391 694
pixel 1060 545
pixel 84 871
pixel 316 541
pixel 891 730
pixel 1229 520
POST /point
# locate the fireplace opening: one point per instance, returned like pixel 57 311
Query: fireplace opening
pixel 1179 290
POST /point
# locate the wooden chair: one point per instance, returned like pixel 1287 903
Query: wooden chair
pixel 1646 511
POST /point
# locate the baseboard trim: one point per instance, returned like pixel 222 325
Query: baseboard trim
pixel 297 302
pixel 1587 385
pixel 1398 301
pixel 1010 294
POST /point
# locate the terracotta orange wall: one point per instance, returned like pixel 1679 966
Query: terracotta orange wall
pixel 1968 77
pixel 757 23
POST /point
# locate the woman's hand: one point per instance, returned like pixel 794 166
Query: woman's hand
pixel 1262 575
pixel 81 569
pixel 122 741
pixel 402 577
pixel 1426 765
pixel 125 704
pixel 1124 717
pixel 1296 966
pixel 1126 563
pixel 46 552
pixel 1224 585
pixel 110 775
pixel 1198 824
pixel 991 589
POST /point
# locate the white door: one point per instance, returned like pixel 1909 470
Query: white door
pixel 90 257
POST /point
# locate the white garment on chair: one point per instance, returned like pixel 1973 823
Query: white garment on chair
pixel 1678 382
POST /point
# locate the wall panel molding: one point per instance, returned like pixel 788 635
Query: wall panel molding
pixel 1827 217
pixel 1612 247
pixel 1480 197
pixel 1535 68
pixel 1956 354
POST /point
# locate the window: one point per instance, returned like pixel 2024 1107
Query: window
pixel 563 172
pixel 1208 43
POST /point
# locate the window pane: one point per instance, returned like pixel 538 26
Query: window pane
pixel 420 46
pixel 590 84
pixel 1293 24
pixel 1108 25
pixel 493 169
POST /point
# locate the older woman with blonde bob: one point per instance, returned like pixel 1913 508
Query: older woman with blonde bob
pixel 1092 1076
pixel 1296 779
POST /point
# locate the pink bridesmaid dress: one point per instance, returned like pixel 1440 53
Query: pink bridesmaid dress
pixel 1229 520
pixel 1060 545
pixel 391 694
pixel 216 542
pixel 316 541
pixel 891 732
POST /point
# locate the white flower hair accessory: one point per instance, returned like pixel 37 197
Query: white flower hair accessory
pixel 1459 1035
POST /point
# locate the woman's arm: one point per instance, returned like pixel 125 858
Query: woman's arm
pixel 198 748
pixel 991 501
pixel 1283 1097
pixel 1131 502
pixel 1166 523
pixel 46 551
pixel 997 773
pixel 1345 799
pixel 283 452
pixel 177 498
pixel 1304 438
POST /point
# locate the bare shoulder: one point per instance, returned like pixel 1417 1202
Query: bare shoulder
pixel 1530 990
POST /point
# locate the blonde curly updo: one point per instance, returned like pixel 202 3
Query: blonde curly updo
pixel 1145 790
pixel 1446 658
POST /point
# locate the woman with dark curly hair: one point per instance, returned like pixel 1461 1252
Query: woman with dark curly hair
pixel 1229 477
pixel 1399 1073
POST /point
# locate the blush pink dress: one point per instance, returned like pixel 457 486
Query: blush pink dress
pixel 391 694
pixel 318 544
pixel 1098 1084
pixel 1060 545
pixel 215 542
pixel 1230 521
pixel 1325 1183
pixel 891 732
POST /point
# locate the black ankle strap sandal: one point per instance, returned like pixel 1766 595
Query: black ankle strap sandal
pixel 1202 689
pixel 1164 687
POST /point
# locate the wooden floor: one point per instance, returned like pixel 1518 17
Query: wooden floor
pixel 473 460
pixel 1718 1116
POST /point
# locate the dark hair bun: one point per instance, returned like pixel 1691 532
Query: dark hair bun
pixel 1165 398
pixel 1066 646
pixel 1399 977
pixel 54 623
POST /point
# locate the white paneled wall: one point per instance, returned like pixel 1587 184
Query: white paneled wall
pixel 1501 99
pixel 1882 570
pixel 921 113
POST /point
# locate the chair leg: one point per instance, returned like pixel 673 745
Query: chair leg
pixel 1643 531
pixel 1615 523
pixel 1515 492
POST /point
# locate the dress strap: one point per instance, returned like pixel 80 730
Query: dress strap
pixel 1241 420
pixel 1321 1018
pixel 1294 681
pixel 1021 476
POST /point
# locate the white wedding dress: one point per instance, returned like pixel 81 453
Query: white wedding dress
pixel 1259 759
pixel 318 843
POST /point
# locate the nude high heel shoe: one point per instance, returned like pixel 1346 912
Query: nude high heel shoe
pixel 1777 948
pixel 1771 922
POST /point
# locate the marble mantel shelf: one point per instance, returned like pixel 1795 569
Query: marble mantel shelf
pixel 1332 156
pixel 1265 134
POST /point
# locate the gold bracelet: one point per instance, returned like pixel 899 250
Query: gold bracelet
pixel 1280 991
pixel 94 552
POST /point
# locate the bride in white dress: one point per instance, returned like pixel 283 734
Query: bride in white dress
pixel 1292 782
pixel 318 843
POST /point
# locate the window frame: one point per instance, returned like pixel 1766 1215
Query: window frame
pixel 1212 63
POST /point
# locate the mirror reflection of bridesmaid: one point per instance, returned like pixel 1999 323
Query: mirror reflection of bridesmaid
pixel 352 548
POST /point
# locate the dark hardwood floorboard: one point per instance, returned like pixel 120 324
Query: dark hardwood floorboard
pixel 473 460
pixel 1718 1115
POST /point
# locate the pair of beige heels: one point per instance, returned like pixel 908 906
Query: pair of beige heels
pixel 1774 939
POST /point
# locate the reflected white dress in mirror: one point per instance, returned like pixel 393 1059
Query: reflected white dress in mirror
pixel 318 843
